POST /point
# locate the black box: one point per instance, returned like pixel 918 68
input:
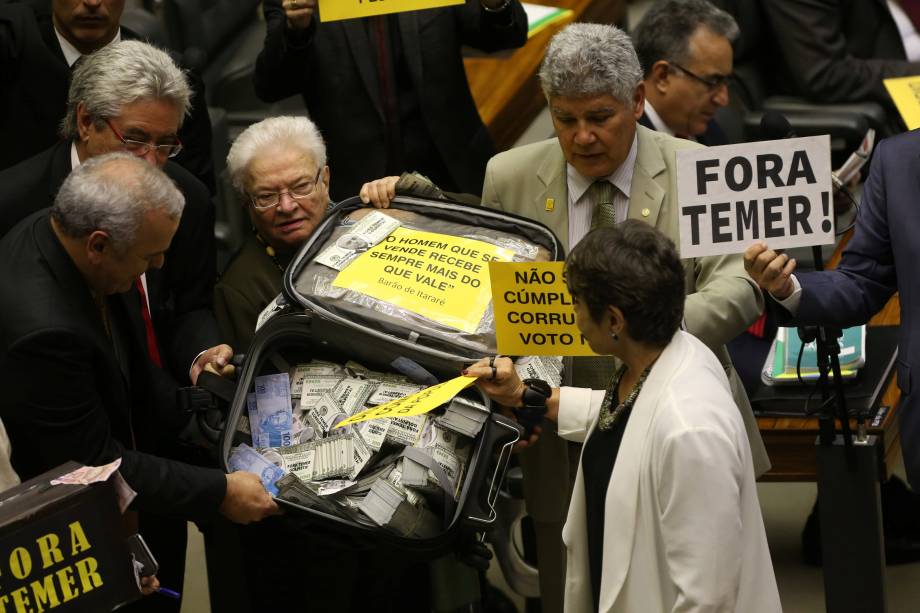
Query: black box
pixel 62 547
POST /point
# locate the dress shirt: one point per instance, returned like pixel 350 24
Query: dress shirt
pixel 581 208
pixel 71 54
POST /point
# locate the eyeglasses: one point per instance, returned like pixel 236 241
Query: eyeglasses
pixel 139 148
pixel 712 83
pixel 303 189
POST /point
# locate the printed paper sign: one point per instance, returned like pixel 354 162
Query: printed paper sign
pixel 334 10
pixel 905 91
pixel 441 277
pixel 774 191
pixel 534 314
pixel 416 404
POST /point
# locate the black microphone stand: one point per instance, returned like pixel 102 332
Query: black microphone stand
pixel 849 506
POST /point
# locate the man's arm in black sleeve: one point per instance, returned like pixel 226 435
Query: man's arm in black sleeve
pixel 284 64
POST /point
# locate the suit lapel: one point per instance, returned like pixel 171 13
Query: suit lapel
pixel 623 492
pixel 645 194
pixel 412 48
pixel 555 187
pixel 358 42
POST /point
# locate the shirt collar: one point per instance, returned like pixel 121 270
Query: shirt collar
pixel 621 177
pixel 74 156
pixel 71 54
pixel 657 122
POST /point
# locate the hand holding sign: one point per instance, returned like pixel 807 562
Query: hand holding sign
pixel 771 270
pixel 299 13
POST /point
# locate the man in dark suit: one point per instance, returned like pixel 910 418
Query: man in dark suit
pixel 685 49
pixel 40 41
pixel 131 96
pixel 841 50
pixel 879 261
pixel 74 378
pixel 389 92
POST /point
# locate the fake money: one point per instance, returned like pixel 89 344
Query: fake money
pixel 275 416
pixel 245 458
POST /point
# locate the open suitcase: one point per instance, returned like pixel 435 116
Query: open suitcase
pixel 315 321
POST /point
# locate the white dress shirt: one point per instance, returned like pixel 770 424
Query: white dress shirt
pixel 581 207
pixel 71 54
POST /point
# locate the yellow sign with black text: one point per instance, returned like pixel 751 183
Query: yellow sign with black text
pixel 416 404
pixel 905 91
pixel 335 10
pixel 534 314
pixel 444 278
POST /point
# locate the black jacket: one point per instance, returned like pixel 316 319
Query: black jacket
pixel 35 77
pixel 180 293
pixel 334 67
pixel 712 137
pixel 836 50
pixel 67 395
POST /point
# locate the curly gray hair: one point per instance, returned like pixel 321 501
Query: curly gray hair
pixel 287 130
pixel 590 59
pixel 120 74
pixel 113 192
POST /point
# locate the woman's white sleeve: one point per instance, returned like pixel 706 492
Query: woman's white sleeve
pixel 578 408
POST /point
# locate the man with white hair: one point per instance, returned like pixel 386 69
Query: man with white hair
pixel 600 170
pixel 74 377
pixel 278 167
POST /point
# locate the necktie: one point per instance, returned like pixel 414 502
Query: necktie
pixel 605 214
pixel 152 349
pixel 380 37
pixel 596 372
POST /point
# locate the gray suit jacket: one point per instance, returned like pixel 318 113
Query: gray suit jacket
pixel 722 301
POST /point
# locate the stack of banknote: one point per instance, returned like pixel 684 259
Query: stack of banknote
pixel 404 474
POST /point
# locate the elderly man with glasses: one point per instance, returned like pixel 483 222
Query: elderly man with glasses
pixel 685 49
pixel 278 167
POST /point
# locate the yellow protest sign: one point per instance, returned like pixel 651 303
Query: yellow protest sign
pixel 441 277
pixel 334 10
pixel 905 91
pixel 416 404
pixel 534 314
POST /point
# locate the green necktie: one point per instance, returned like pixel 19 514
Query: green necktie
pixel 605 214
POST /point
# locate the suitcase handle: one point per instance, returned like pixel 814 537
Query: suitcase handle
pixel 503 432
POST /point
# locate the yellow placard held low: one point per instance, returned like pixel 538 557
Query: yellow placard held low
pixel 444 278
pixel 534 314
pixel 334 10
pixel 416 404
pixel 905 91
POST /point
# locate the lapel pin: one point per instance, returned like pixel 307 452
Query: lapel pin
pixel 550 204
pixel 645 212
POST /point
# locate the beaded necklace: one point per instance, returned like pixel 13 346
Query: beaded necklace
pixel 608 418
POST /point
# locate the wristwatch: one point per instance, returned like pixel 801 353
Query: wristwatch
pixel 536 393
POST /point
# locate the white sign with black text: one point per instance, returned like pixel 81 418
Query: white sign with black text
pixel 776 191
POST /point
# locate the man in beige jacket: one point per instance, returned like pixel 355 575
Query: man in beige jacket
pixel 600 169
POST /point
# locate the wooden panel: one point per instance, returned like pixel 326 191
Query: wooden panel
pixel 506 89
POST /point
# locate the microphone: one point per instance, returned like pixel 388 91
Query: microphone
pixel 775 126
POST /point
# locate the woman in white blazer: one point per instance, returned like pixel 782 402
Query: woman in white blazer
pixel 664 515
